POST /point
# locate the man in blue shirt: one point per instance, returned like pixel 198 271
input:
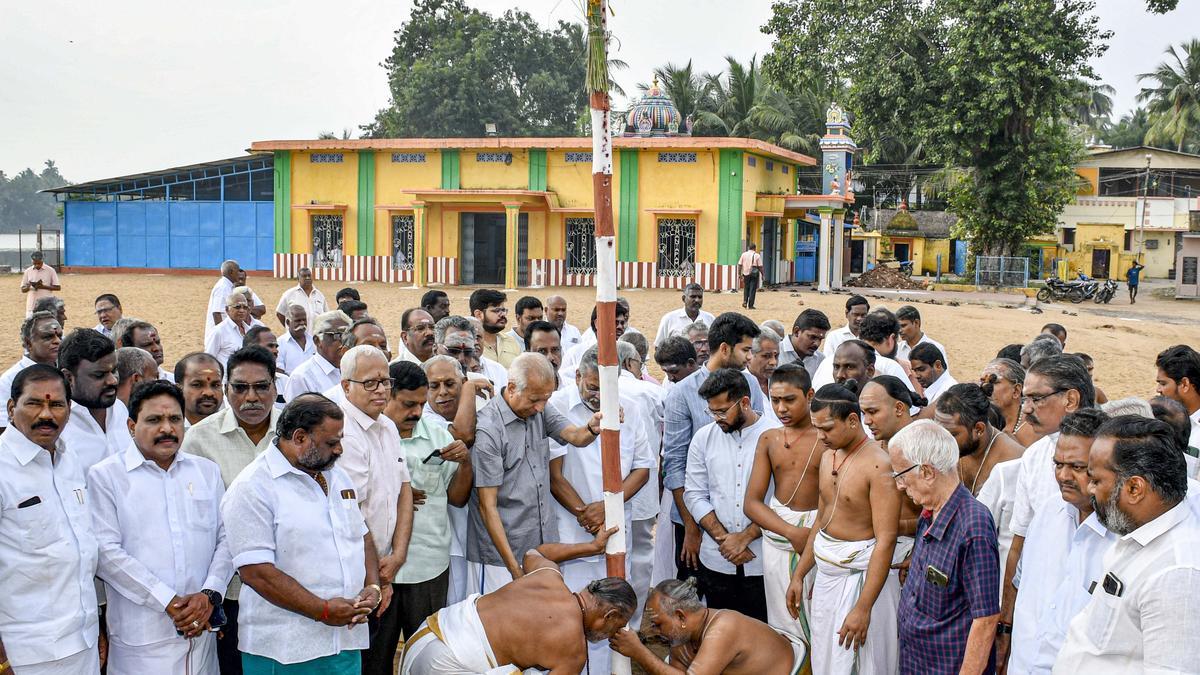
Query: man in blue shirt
pixel 1133 276
pixel 685 413
pixel 949 607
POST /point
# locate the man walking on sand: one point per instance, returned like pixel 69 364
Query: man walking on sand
pixel 751 267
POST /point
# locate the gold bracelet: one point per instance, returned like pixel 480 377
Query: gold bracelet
pixel 378 593
pixel 4 667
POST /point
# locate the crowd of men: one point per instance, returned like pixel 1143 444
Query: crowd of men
pixel 307 500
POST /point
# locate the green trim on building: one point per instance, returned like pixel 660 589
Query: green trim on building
pixel 537 169
pixel 283 201
pixel 450 170
pixel 627 217
pixel 366 202
pixel 729 209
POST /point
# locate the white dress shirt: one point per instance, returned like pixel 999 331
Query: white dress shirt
pixel 291 354
pixel 647 406
pixel 167 375
pixel 494 372
pixel 313 303
pixel 47 553
pixel 883 366
pixel 583 468
pixel 834 339
pixel 676 320
pixel 224 340
pixel 939 387
pixel 718 469
pixel 376 464
pixel 1035 483
pixel 106 332
pixel 316 374
pixel 160 536
pixel 1061 559
pixel 787 354
pixel 569 336
pixel 217 298
pixel 1152 627
pixel 997 494
pixel 276 514
pixel 903 350
pixel 88 442
pixel 6 381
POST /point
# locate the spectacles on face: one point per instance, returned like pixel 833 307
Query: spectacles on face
pixel 104 310
pixel 335 334
pixel 896 475
pixel 241 388
pixel 459 351
pixel 722 414
pixel 1037 399
pixel 372 385
pixel 239 306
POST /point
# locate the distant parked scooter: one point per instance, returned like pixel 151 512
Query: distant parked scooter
pixel 1106 292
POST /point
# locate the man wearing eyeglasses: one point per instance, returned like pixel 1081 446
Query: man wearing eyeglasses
pixel 108 312
pixel 227 337
pixel 232 437
pixel 321 371
pixel 1055 386
pixel 375 462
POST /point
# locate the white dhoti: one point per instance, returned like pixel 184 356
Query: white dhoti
pixel 459 586
pixel 641 563
pixel 86 662
pixel 779 561
pixel 194 657
pixel 799 654
pixel 841 572
pixel 453 642
pixel 664 542
pixel 483 578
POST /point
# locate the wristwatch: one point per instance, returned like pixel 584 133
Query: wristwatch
pixel 214 598
pixel 1004 629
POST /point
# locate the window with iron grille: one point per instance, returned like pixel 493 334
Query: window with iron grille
pixel 501 157
pixel 770 165
pixel 327 240
pixel 403 228
pixel 677 157
pixel 326 158
pixel 408 158
pixel 581 245
pixel 751 160
pixel 572 157
pixel 676 247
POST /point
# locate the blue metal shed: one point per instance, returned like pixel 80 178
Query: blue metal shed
pixel 188 217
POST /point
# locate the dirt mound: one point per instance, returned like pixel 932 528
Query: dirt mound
pixel 885 277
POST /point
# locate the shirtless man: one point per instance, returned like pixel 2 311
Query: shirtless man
pixel 786 459
pixel 886 408
pixel 852 619
pixel 532 622
pixel 707 642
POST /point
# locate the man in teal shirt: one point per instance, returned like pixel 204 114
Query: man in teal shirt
pixel 1133 276
pixel 441 476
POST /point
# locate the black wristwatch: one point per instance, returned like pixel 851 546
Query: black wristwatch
pixel 214 598
pixel 1004 629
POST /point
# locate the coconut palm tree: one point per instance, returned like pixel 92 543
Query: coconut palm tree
pixel 795 122
pixel 727 110
pixel 1094 105
pixel 1174 99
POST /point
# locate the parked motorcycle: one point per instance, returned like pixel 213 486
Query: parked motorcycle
pixel 1106 292
pixel 1057 289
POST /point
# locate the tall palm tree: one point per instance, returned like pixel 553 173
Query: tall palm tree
pixel 1094 105
pixel 1174 100
pixel 730 101
pixel 795 122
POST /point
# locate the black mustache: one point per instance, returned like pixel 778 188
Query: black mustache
pixel 166 437
pixel 45 425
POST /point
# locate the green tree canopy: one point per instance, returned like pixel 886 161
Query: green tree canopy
pixel 22 207
pixel 454 68
pixel 1173 99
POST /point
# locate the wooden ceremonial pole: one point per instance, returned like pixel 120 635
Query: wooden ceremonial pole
pixel 606 286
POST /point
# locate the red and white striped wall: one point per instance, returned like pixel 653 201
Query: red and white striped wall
pixel 354 268
pixel 441 271
pixel 713 277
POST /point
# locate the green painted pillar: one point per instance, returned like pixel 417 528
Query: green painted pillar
pixel 450 170
pixel 627 217
pixel 366 202
pixel 283 201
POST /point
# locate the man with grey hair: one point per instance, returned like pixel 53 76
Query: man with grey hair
pixel 228 335
pixel 219 295
pixel 678 319
pixel 1043 346
pixel 510 510
pixel 764 357
pixel 134 366
pixel 295 345
pixel 303 294
pixel 725 641
pixel 376 464
pixel 697 334
pixel 949 609
pixel 53 304
pixel 577 479
pixel 40 336
pixel 458 336
pixel 321 371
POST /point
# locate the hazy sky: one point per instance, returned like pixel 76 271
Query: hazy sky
pixel 112 88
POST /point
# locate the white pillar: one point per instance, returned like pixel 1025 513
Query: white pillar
pixel 823 246
pixel 839 247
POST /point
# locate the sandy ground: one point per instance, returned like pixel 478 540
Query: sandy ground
pixel 1123 339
